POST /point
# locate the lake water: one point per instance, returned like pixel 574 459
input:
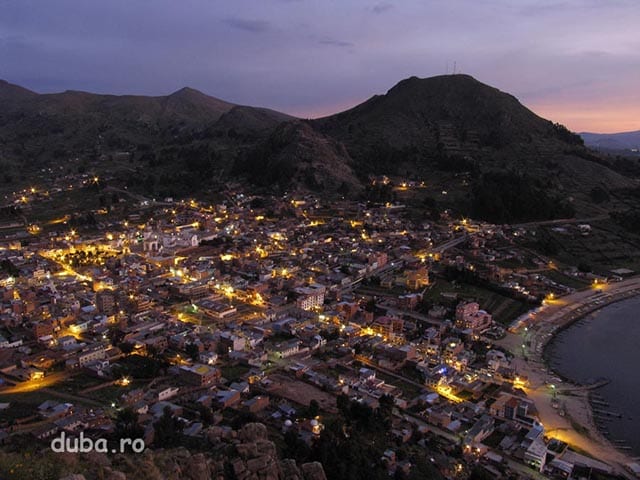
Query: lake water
pixel 606 344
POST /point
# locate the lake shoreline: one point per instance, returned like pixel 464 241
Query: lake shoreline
pixel 577 427
pixel 553 364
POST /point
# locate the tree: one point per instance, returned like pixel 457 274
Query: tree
pixel 370 306
pixel 314 408
pixel 385 408
pixel 192 350
pixel 206 415
pixel 127 426
pixel 342 402
pixel 295 447
pixel 126 347
pixel 168 429
pixel 585 267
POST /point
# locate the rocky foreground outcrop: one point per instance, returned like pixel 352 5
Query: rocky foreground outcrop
pixel 248 455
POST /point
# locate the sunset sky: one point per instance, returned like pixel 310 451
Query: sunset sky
pixel 572 61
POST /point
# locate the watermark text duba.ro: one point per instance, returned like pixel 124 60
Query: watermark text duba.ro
pixel 82 444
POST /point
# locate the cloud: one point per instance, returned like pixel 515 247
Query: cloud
pixel 381 8
pixel 254 26
pixel 335 43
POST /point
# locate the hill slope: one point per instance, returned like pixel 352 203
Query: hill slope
pixel 450 114
pixel 168 140
pixel 446 126
pixel 493 157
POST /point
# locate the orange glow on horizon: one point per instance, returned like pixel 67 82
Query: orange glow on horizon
pixel 606 116
pixel 324 110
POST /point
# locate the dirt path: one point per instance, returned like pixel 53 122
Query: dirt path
pixel 302 393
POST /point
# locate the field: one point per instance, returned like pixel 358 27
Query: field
pixel 21 404
pixel 567 280
pixel 504 309
pixel 234 372
pixel 302 393
pixel 608 246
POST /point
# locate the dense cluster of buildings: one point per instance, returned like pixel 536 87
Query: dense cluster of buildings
pixel 247 304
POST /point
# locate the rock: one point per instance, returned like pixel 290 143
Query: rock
pixel 257 464
pixel 100 459
pixel 266 447
pixel 71 460
pixel 247 450
pixel 238 467
pixel 114 475
pixel 196 468
pixel 313 471
pixel 216 434
pixel 290 470
pixel 74 476
pixel 252 432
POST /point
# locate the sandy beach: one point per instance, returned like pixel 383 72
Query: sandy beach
pixel 576 427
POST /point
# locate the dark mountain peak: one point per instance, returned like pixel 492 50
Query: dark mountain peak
pixel 451 110
pixel 188 98
pixel 457 80
pixel 187 92
pixel 447 88
pixel 196 96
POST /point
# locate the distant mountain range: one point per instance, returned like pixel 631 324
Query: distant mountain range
pixel 495 158
pixel 613 141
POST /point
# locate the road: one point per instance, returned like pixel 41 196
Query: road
pixel 449 244
pixel 414 315
pixel 560 221
pixel 33 385
pixel 375 366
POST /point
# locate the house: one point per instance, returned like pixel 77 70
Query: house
pixel 45 431
pixel 208 358
pixel 167 393
pixel 231 342
pixel 66 341
pixel 227 398
pixel 51 409
pixel 132 396
pixel 216 310
pixel 286 349
pixel 536 454
pixel 479 431
pixel 242 387
pixel 199 374
pixel 96 352
pixel 157 409
pixel 310 297
pixel 513 408
pixel 256 404
pixel 469 316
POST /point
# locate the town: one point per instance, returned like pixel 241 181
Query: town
pixel 280 310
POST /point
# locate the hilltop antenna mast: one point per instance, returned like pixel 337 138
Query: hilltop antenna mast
pixel 454 68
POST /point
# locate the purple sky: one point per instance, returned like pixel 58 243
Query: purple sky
pixel 572 61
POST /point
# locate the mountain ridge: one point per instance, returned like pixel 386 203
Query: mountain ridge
pixel 435 128
pixel 613 141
